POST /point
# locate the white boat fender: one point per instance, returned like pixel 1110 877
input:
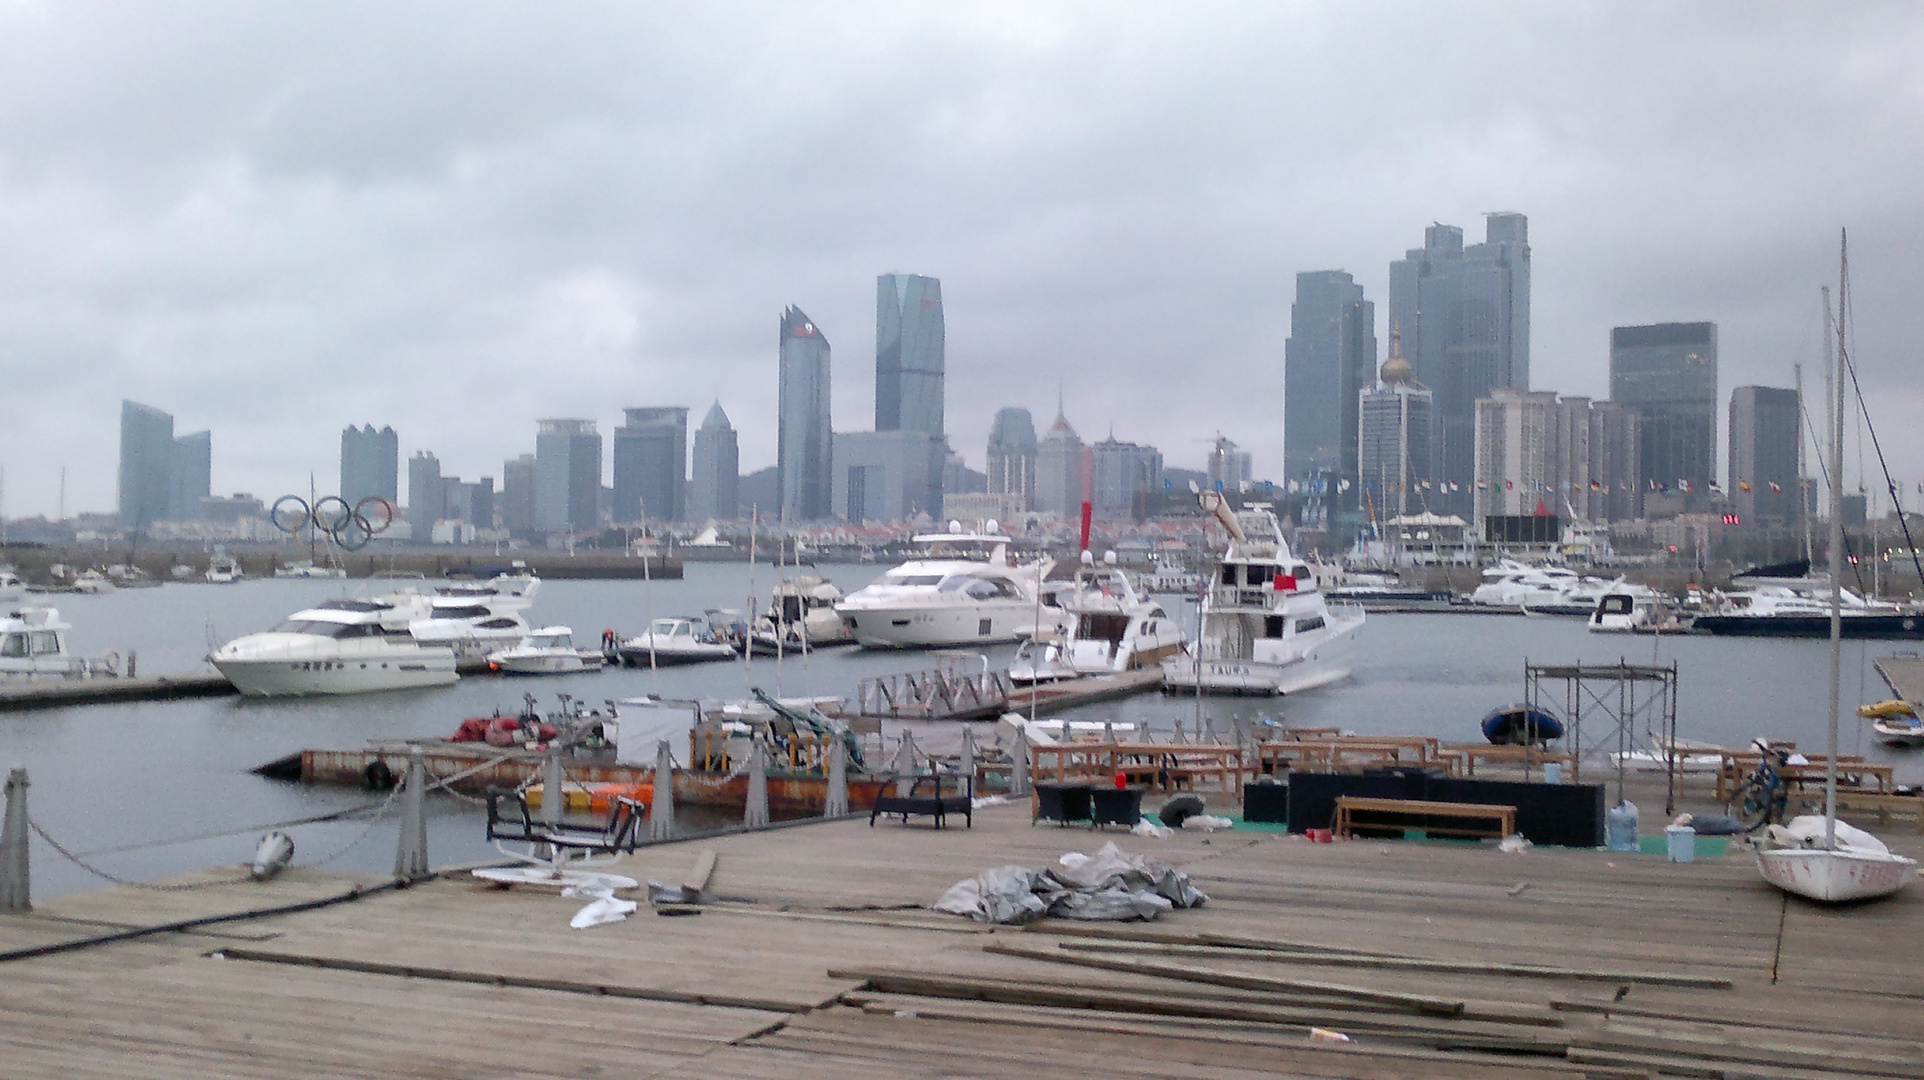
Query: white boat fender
pixel 271 856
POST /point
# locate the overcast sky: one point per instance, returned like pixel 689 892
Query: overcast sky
pixel 277 219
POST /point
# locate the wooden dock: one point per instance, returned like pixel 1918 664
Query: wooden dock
pixel 814 957
pixel 1904 675
pixel 66 692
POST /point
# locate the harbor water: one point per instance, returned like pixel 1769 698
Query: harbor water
pixel 142 790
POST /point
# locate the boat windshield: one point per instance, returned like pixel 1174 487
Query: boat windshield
pixel 319 628
pixel 976 588
pixel 355 605
pixel 551 641
pixel 913 579
pixel 670 627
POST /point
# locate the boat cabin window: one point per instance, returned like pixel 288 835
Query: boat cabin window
pixel 1304 626
pixel 913 579
pixel 1617 604
pixel 498 623
pixel 551 641
pixel 1229 573
pixel 1105 626
pixel 353 605
pixel 1273 626
pixel 479 611
pixel 14 645
pixel 791 609
pixel 976 588
pixel 44 642
pixel 1259 574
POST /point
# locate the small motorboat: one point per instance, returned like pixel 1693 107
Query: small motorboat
pixel 1895 722
pixel 1521 725
pixel 1039 660
pixel 676 640
pixel 223 569
pixel 547 651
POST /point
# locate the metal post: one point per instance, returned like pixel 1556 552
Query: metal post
pixel 755 814
pixel 411 851
pixel 836 805
pixel 16 886
pixel 966 764
pixel 905 765
pixel 1019 765
pixel 661 816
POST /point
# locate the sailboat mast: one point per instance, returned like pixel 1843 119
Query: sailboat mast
pixel 1803 424
pixel 1836 379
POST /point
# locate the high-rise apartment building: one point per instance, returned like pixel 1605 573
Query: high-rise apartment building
pixel 1616 463
pixel 370 464
pixel 1058 469
pixel 1571 457
pixel 1464 313
pixel 1012 457
pixel 909 353
pixel 1667 373
pixel 567 481
pixel 712 488
pixel 1764 431
pixel 190 475
pixel 1229 466
pixel 651 465
pixel 427 494
pixel 146 464
pixel 517 495
pixel 804 438
pixel 1125 474
pixel 884 475
pixel 1393 440
pixel 1329 359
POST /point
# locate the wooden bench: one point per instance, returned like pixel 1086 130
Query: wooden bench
pixel 1503 816
pixel 960 799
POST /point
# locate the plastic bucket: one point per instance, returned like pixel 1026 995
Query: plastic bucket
pixel 1682 842
pixel 1320 836
pixel 1553 772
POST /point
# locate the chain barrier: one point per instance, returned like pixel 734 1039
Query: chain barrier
pixel 365 830
pixel 98 872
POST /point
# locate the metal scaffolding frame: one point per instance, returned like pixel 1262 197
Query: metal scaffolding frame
pixel 1638 702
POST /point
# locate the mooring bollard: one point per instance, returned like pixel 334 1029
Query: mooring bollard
pixel 755 814
pixel 836 805
pixel 1019 765
pixel 966 764
pixel 411 851
pixel 661 815
pixel 16 883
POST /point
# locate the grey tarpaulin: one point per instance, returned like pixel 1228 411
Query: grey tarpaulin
pixel 1109 885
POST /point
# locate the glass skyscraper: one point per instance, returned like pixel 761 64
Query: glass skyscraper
pixel 1667 372
pixel 370 464
pixel 651 465
pixel 567 475
pixel 1764 430
pixel 804 440
pixel 190 475
pixel 1393 440
pixel 1329 359
pixel 909 353
pixel 146 464
pixel 1012 457
pixel 712 488
pixel 1464 313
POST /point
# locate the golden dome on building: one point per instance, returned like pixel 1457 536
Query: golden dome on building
pixel 1398 370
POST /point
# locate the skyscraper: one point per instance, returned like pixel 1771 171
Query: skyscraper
pixel 1229 465
pixel 1764 429
pixel 1328 360
pixel 1393 439
pixel 909 353
pixel 711 491
pixel 651 465
pixel 1667 373
pixel 1517 464
pixel 427 494
pixel 804 438
pixel 1058 469
pixel 1012 457
pixel 567 481
pixel 1465 318
pixel 190 475
pixel 1124 474
pixel 884 475
pixel 517 495
pixel 370 464
pixel 146 464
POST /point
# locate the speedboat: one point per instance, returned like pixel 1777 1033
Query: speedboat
pixel 1800 607
pixel 1266 628
pixel 683 639
pixel 33 644
pixel 93 583
pixel 962 590
pixel 339 647
pixel 223 569
pixel 1894 722
pixel 547 651
pixel 306 569
pixel 802 615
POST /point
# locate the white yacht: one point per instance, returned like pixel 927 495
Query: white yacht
pixel 223 569
pixel 1800 607
pixel 12 588
pixel 33 644
pixel 1113 629
pixel 547 651
pixel 306 569
pixel 1634 609
pixel 803 612
pixel 1553 590
pixel 1170 576
pixel 962 590
pixel 683 639
pixel 502 591
pixel 93 583
pixel 340 647
pixel 472 619
pixel 1266 628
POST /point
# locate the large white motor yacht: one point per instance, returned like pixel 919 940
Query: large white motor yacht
pixel 1266 629
pixel 340 647
pixel 962 590
pixel 1113 628
pixel 1554 590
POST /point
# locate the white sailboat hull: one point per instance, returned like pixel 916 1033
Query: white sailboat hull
pixel 1835 876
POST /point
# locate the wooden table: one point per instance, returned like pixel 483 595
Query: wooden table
pixel 1503 816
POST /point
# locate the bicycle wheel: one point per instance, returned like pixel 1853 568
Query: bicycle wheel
pixel 1754 805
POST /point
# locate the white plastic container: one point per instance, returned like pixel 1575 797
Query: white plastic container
pixel 1553 772
pixel 1682 841
pixel 1620 827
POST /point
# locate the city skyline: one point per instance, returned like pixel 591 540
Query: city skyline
pixel 616 203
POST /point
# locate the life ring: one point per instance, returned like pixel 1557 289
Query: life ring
pixel 377 776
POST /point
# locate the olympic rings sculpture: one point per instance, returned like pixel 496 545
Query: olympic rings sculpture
pixel 349 527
